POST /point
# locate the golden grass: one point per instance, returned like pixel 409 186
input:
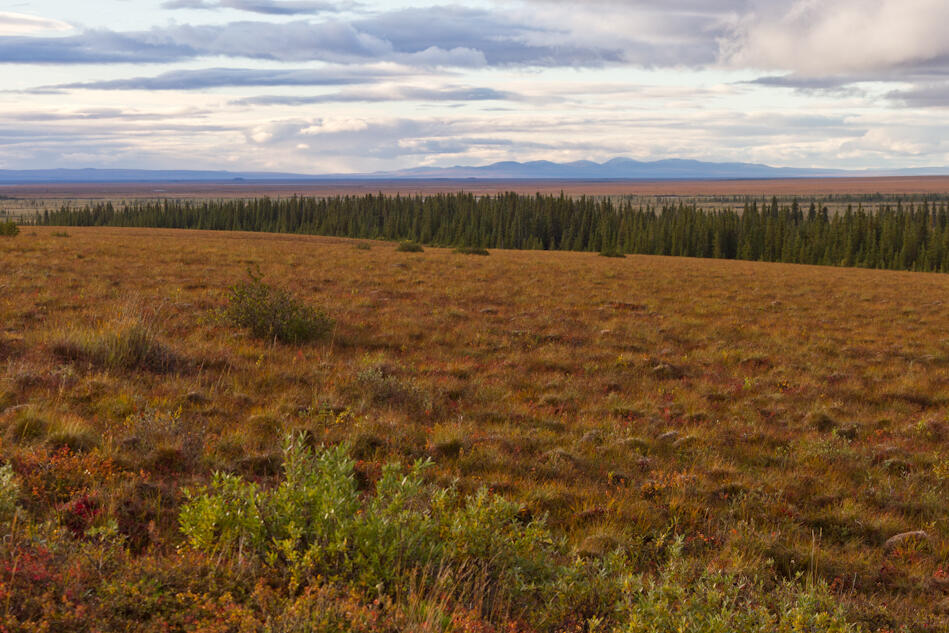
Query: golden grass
pixel 783 419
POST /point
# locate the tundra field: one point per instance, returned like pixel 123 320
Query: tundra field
pixel 639 444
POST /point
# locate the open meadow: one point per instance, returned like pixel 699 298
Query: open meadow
pixel 632 444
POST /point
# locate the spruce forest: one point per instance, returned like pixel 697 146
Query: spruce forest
pixel 912 236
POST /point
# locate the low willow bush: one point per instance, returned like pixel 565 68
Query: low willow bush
pixel 316 528
pixel 9 229
pixel 316 524
pixel 274 314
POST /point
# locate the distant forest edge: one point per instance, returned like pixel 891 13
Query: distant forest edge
pixel 913 236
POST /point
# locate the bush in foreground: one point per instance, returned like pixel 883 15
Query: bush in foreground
pixel 274 314
pixel 317 528
pixel 317 524
pixel 9 229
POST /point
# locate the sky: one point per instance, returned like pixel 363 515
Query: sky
pixel 315 86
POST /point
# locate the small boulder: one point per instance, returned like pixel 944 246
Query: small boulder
pixel 919 536
pixel 669 437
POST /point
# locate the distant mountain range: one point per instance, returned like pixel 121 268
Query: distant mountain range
pixel 616 169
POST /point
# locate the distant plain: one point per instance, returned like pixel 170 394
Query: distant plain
pixel 27 198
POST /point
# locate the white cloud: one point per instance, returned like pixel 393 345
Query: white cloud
pixel 821 37
pixel 22 24
pixel 333 125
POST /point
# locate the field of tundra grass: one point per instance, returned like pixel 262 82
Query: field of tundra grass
pixel 528 441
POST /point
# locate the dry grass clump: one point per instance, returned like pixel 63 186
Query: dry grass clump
pixel 73 434
pixel 380 384
pixel 26 426
pixel 128 343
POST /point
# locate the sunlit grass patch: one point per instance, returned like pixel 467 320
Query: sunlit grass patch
pixel 127 343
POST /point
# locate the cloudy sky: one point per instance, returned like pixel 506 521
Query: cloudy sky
pixel 316 86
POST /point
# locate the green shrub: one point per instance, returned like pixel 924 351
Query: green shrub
pixel 316 523
pixel 471 250
pixel 612 252
pixel 409 247
pixel 9 229
pixel 273 313
pixel 717 602
pixel 317 527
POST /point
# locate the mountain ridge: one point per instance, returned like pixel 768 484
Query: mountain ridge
pixel 616 169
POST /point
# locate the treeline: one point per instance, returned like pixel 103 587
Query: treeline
pixel 904 237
